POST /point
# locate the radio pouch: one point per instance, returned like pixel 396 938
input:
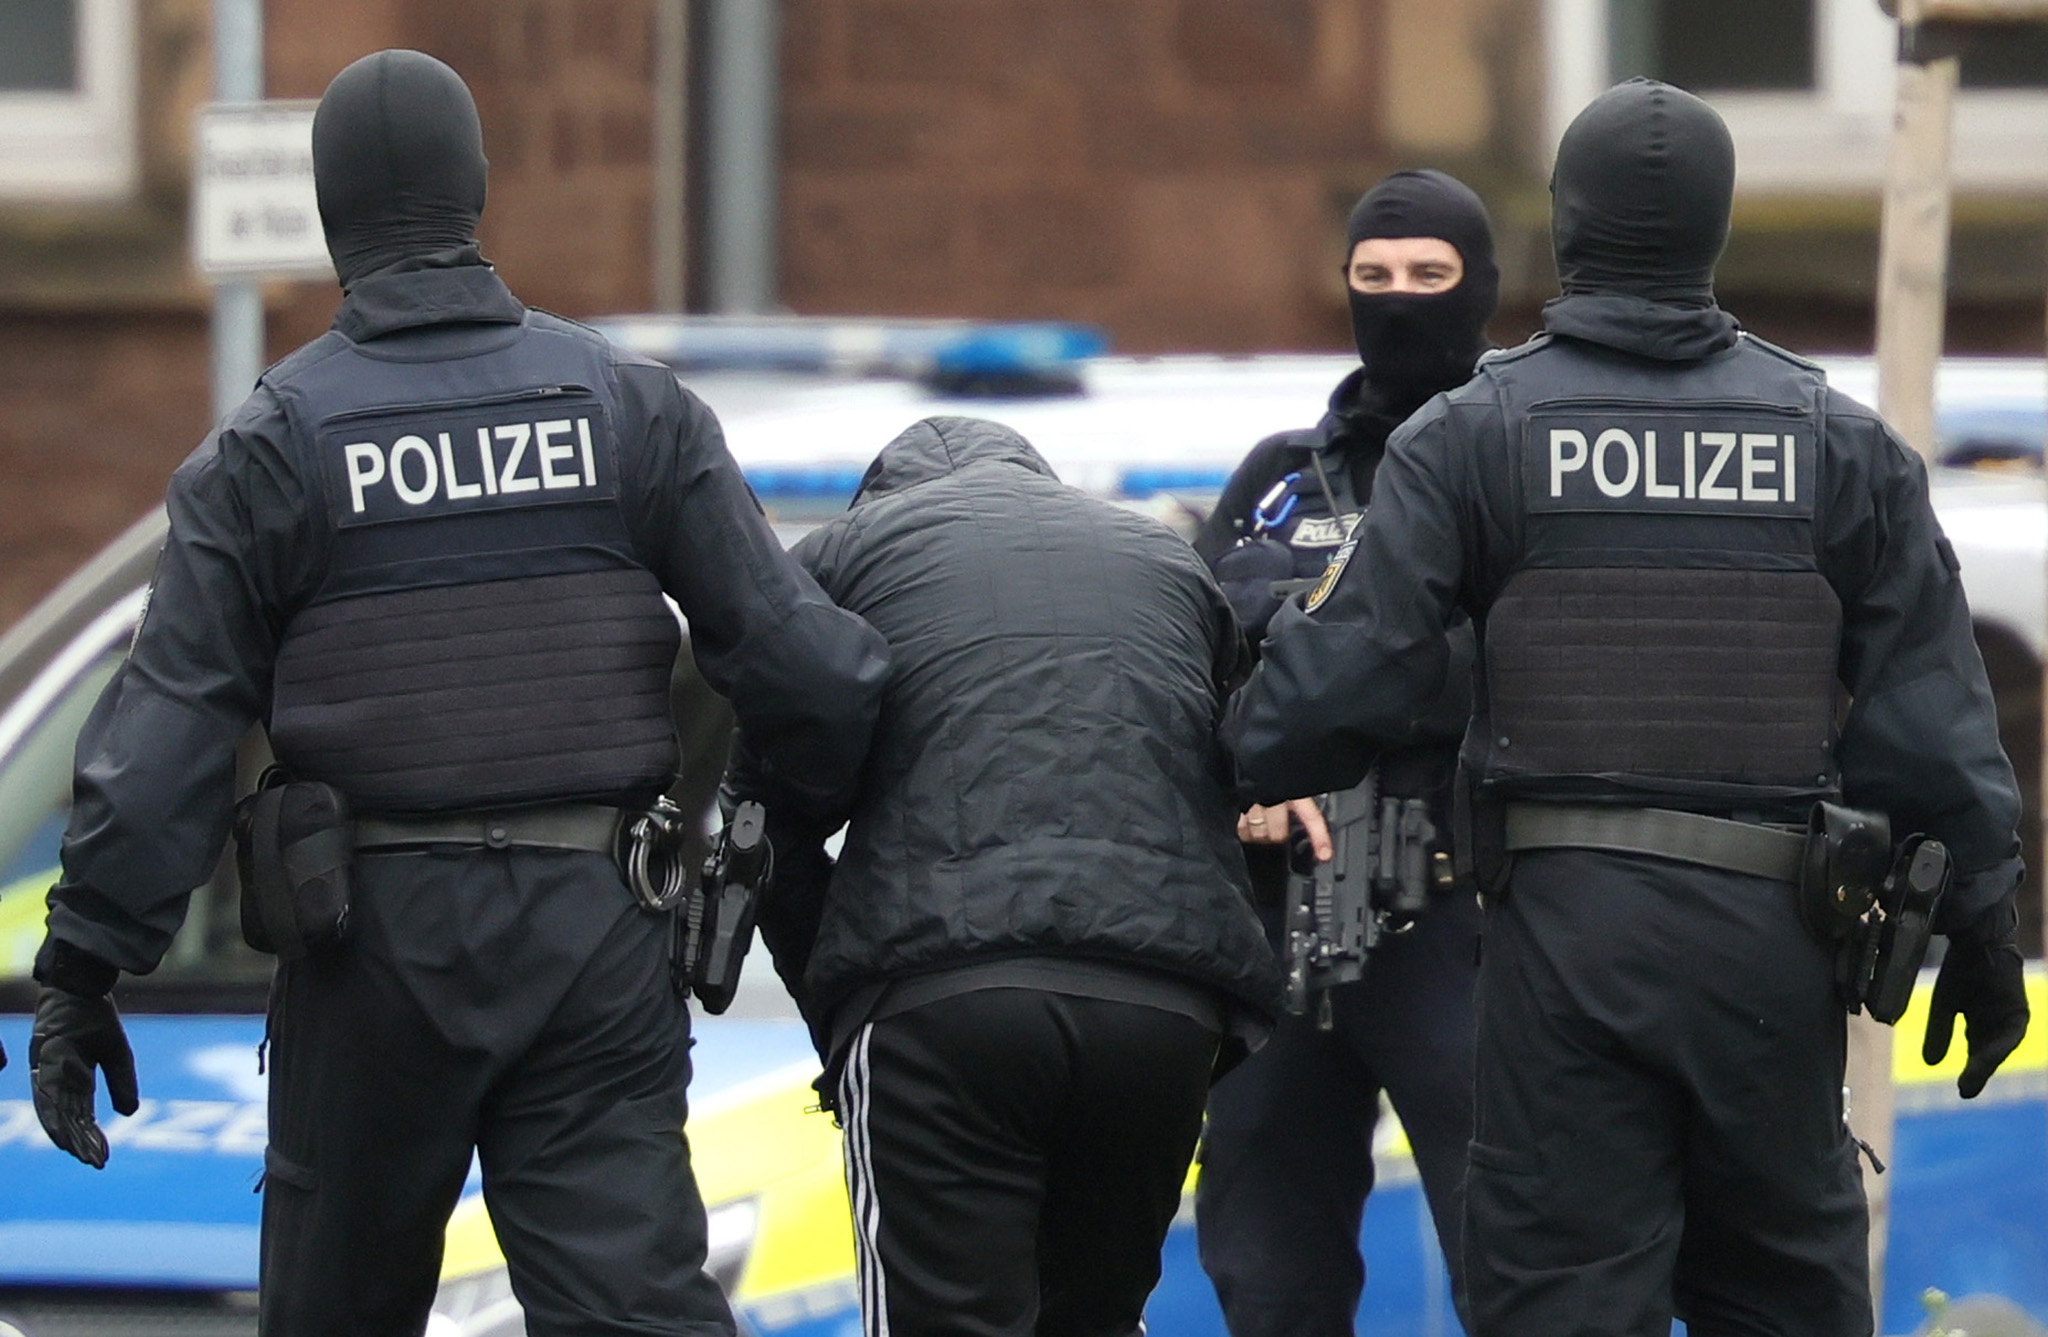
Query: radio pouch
pixel 293 843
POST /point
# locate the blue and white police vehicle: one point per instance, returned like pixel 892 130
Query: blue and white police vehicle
pixel 165 1239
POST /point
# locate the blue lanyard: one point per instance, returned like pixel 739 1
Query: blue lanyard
pixel 1281 493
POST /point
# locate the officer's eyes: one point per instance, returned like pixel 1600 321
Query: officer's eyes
pixel 1371 277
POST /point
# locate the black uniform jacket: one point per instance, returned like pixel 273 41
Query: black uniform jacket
pixel 1350 440
pixel 1047 778
pixel 156 760
pixel 1444 533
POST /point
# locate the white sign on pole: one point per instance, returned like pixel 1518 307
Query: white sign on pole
pixel 253 208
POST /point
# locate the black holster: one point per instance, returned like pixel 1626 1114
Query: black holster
pixel 293 843
pixel 1876 906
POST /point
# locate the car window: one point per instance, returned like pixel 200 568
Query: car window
pixel 38 738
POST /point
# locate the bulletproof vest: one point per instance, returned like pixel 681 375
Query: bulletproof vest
pixel 1298 512
pixel 1666 630
pixel 482 634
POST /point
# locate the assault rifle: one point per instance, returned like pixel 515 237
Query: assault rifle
pixel 1380 874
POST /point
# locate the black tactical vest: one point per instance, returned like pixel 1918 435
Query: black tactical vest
pixel 482 634
pixel 1667 631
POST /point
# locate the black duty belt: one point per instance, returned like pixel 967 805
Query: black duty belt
pixel 589 827
pixel 1715 842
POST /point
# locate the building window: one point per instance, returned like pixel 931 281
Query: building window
pixel 2007 55
pixel 39 46
pixel 1806 86
pixel 67 99
pixel 1717 46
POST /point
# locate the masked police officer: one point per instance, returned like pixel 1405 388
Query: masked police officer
pixel 429 554
pixel 1710 591
pixel 1287 1157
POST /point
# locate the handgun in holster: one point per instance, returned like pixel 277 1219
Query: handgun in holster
pixel 1383 867
pixel 716 926
pixel 1874 903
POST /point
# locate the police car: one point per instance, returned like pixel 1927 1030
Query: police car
pixel 165 1238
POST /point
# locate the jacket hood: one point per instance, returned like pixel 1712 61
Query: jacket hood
pixel 935 447
pixel 1643 327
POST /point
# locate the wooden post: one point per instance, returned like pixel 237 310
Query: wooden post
pixel 1911 307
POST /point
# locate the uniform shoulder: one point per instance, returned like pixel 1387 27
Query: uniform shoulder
pixel 543 319
pixel 1764 346
pixel 301 359
pixel 1494 358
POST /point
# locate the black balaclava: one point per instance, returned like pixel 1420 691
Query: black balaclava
pixel 398 163
pixel 1415 345
pixel 1644 182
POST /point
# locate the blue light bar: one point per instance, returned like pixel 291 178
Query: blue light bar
pixel 785 484
pixel 1138 484
pixel 908 348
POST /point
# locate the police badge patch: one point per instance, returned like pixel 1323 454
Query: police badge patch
pixel 1330 574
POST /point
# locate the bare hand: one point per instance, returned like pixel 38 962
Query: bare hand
pixel 1262 825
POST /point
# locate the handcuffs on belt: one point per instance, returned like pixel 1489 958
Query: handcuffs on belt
pixel 651 855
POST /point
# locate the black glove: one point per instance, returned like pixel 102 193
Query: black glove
pixel 72 1036
pixel 1982 979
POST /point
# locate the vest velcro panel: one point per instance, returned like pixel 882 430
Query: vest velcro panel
pixel 464 696
pixel 1722 675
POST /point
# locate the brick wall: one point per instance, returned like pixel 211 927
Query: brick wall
pixel 1165 168
pixel 100 409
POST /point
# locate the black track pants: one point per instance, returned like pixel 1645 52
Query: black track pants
pixel 1287 1153
pixel 1015 1158
pixel 1659 1121
pixel 512 1002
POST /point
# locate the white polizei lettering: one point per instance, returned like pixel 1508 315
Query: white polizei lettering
pixel 18 1123
pixel 1562 464
pixel 518 433
pixel 1614 436
pixel 489 459
pixel 365 466
pixel 187 1125
pixel 1755 466
pixel 544 434
pixel 246 1133
pixel 1791 467
pixel 1651 487
pixel 589 456
pixel 407 493
pixel 1687 474
pixel 122 1131
pixel 1724 447
pixel 457 490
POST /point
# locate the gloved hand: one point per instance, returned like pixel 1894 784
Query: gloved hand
pixel 72 1036
pixel 1981 979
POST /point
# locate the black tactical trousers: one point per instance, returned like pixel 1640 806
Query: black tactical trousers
pixel 512 1002
pixel 1015 1158
pixel 1659 1123
pixel 1287 1153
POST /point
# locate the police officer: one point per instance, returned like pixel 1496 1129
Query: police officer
pixel 1710 591
pixel 429 554
pixel 1287 1157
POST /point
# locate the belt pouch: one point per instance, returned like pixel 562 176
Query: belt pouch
pixel 1848 852
pixel 293 843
